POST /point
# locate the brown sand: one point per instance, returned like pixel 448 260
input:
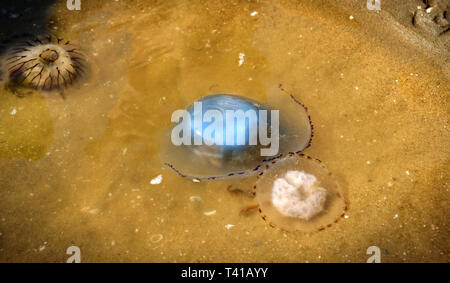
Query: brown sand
pixel 77 171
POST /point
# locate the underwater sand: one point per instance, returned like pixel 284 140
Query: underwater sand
pixel 77 171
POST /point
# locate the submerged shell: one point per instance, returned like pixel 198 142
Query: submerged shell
pixel 48 64
pixel 299 193
pixel 212 162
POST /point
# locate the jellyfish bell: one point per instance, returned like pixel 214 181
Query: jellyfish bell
pixel 298 193
pixel 259 133
pixel 219 148
pixel 46 64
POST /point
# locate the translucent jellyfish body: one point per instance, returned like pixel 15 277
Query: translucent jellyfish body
pixel 298 193
pixel 48 64
pixel 215 157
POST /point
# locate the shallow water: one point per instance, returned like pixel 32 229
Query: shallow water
pixel 77 171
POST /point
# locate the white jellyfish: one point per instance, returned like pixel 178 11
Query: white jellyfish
pixel 298 193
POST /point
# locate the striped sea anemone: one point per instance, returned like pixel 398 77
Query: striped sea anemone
pixel 48 64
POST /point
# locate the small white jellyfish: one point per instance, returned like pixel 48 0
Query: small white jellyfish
pixel 298 193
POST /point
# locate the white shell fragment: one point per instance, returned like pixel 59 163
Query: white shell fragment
pixel 209 213
pixel 157 180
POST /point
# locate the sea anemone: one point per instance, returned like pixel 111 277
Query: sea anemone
pixel 48 64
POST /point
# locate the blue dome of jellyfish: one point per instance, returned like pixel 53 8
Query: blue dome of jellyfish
pixel 223 103
pixel 217 145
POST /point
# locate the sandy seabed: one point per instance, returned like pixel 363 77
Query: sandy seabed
pixel 77 171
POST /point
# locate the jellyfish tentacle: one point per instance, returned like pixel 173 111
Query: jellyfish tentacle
pixel 229 175
pixel 298 102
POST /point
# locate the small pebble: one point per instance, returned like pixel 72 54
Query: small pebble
pixel 241 59
pixel 195 198
pixel 229 226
